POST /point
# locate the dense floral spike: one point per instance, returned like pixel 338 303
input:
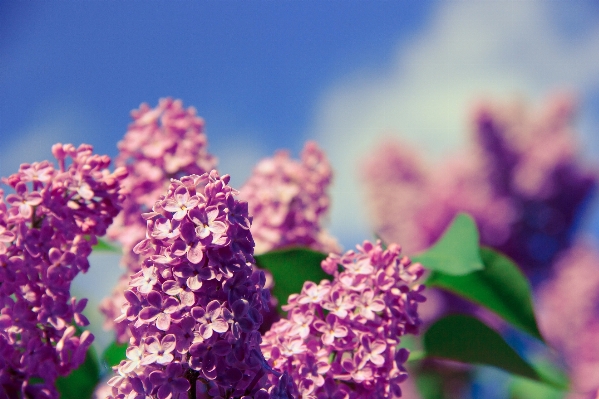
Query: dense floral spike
pixel 161 143
pixel 194 308
pixel 288 200
pixel 521 181
pixel 341 338
pixel 568 317
pixel 47 228
pixel 531 161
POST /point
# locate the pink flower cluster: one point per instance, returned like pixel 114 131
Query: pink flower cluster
pixel 195 306
pixel 48 225
pixel 568 314
pixel 288 201
pixel 521 180
pixel 161 143
pixel 340 339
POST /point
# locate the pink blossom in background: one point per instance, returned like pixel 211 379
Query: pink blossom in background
pixel 340 338
pixel 288 200
pixel 520 179
pixel 531 160
pixel 161 143
pixel 48 225
pixel 568 314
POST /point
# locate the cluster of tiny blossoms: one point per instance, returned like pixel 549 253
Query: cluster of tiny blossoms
pixel 47 227
pixel 521 180
pixel 568 317
pixel 340 339
pixel 194 307
pixel 160 144
pixel 288 201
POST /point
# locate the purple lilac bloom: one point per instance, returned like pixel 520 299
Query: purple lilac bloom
pixel 194 307
pixel 521 180
pixel 160 144
pixel 47 228
pixel 340 339
pixel 289 202
pixel 568 314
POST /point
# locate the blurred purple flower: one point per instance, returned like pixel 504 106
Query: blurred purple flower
pixel 568 314
pixel 288 201
pixel 521 180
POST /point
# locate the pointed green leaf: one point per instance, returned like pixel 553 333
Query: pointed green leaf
pixel 468 340
pixel 113 355
pixel 103 246
pixel 522 388
pixel 81 383
pixel 500 287
pixel 456 252
pixel 290 268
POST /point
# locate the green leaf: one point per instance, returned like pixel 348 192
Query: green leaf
pixel 113 355
pixel 103 246
pixel 456 252
pixel 429 385
pixel 522 388
pixel 500 287
pixel 468 340
pixel 437 380
pixel 81 383
pixel 290 268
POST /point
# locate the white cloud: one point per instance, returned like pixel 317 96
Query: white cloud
pixel 467 51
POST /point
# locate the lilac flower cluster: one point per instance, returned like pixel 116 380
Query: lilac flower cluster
pixel 194 307
pixel 568 316
pixel 48 225
pixel 161 143
pixel 532 162
pixel 521 181
pixel 340 339
pixel 288 201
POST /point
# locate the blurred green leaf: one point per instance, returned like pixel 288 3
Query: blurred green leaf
pixel 413 344
pixel 103 246
pixel 416 355
pixel 429 385
pixel 468 340
pixel 522 388
pixel 440 379
pixel 113 355
pixel 81 383
pixel 456 252
pixel 290 268
pixel 500 287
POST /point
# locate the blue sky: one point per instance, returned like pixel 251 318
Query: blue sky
pixel 271 74
pixel 252 69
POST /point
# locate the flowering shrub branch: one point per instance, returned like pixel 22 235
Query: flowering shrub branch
pixel 195 310
pixel 47 228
